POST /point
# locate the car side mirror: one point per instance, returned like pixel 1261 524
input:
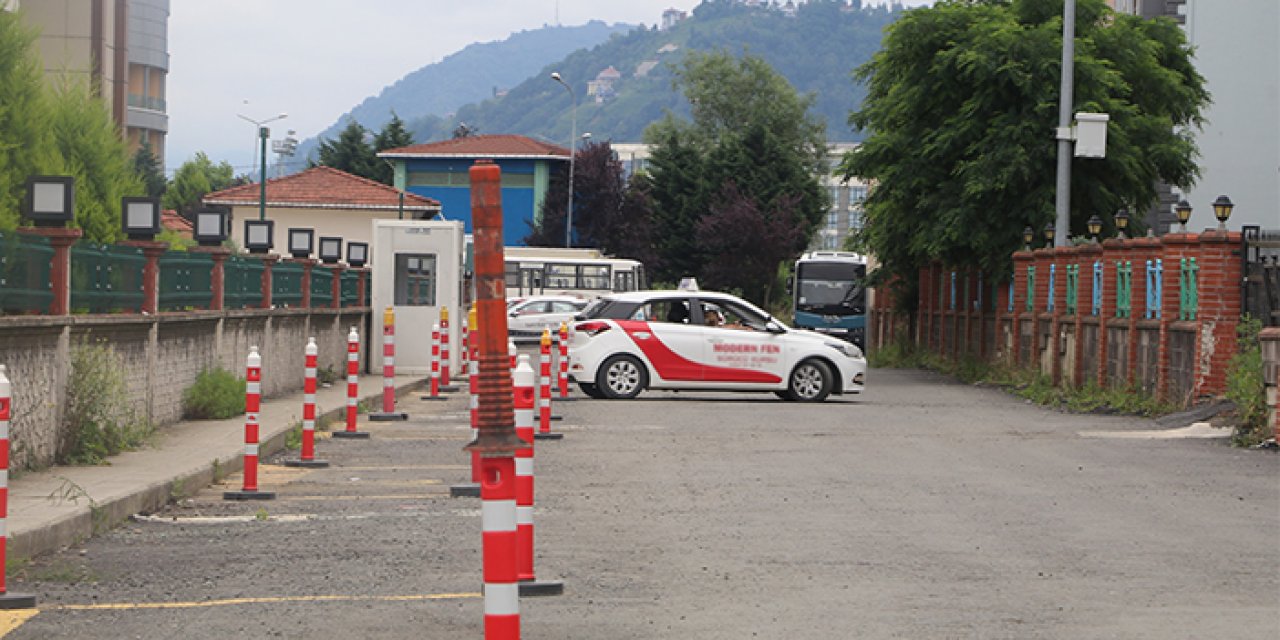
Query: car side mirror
pixel 514 314
pixel 774 327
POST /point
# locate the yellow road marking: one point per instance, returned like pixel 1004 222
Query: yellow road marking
pixel 449 467
pixel 14 618
pixel 406 496
pixel 277 600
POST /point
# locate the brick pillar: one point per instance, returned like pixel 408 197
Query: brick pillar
pixel 1112 250
pixel 1219 313
pixel 1000 306
pixel 1175 247
pixel 307 265
pixel 1060 259
pixel 60 266
pixel 152 251
pixel 336 302
pixel 1044 258
pixel 945 317
pixel 217 275
pixel 1021 260
pixel 362 286
pixel 268 263
pixel 1086 255
pixel 924 297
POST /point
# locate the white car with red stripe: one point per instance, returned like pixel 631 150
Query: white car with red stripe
pixel 625 343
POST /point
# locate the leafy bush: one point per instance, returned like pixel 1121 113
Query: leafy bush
pixel 216 394
pixel 1245 386
pixel 100 420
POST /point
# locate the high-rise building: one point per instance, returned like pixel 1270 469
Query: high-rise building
pixel 118 48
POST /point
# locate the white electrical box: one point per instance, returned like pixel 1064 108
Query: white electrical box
pixel 1091 135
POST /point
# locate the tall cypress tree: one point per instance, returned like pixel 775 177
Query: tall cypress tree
pixel 24 148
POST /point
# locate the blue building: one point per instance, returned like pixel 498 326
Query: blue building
pixel 440 171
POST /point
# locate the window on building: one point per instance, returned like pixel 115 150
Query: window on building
pixel 415 280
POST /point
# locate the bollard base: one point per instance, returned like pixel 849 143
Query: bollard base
pixel 350 435
pixel 469 490
pixel 248 495
pixel 433 398
pixel 548 435
pixel 541 587
pixel 564 399
pixel 310 464
pixel 448 388
pixel 555 418
pixel 388 417
pixel 17 601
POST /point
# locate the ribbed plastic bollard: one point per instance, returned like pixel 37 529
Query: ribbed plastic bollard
pixel 388 412
pixel 7 600
pixel 353 388
pixel 307 458
pixel 512 352
pixel 444 346
pixel 433 384
pixel 252 405
pixel 563 337
pixel 523 398
pixel 465 356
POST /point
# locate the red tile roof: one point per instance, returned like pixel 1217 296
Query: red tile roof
pixel 495 146
pixel 169 219
pixel 324 187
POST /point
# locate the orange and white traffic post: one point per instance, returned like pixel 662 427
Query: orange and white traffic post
pixel 522 392
pixel 544 390
pixel 252 407
pixel 307 458
pixel 7 600
pixel 353 388
pixel 388 412
pixel 564 360
pixel 445 338
pixel 471 489
pixel 433 382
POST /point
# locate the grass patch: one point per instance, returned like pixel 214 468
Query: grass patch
pixel 217 394
pixel 1246 387
pixel 101 420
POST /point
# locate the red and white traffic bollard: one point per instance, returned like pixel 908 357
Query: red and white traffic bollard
pixel 522 383
pixel 471 489
pixel 544 389
pixel 465 365
pixel 564 359
pixel 498 545
pixel 434 382
pixel 353 387
pixel 388 412
pixel 444 346
pixel 512 352
pixel 7 600
pixel 252 405
pixel 308 455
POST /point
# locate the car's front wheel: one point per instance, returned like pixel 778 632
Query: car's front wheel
pixel 811 381
pixel 621 377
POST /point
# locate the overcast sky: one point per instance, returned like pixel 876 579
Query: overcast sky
pixel 317 59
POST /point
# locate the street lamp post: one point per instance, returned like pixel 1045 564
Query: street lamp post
pixel 573 152
pixel 263 134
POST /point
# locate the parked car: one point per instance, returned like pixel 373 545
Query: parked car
pixel 625 343
pixel 527 318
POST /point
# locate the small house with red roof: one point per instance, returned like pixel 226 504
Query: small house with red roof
pixel 333 202
pixel 441 171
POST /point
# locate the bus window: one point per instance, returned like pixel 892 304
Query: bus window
pixel 562 276
pixel 594 277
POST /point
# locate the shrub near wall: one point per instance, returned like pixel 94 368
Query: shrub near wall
pixel 217 394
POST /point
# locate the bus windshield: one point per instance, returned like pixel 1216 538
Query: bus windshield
pixel 831 288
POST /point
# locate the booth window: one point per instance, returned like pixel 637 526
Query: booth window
pixel 415 280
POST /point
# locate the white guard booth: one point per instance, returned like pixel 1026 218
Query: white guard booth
pixel 417 270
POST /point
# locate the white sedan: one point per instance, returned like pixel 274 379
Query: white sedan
pixel 527 318
pixel 701 340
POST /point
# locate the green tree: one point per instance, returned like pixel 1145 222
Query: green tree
pixel 351 152
pixel 752 130
pixel 962 105
pixel 195 179
pixel 24 148
pixel 89 147
pixel 147 166
pixel 393 135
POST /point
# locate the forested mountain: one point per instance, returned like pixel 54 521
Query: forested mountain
pixel 471 75
pixel 816 48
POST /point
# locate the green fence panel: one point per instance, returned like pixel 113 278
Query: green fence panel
pixel 243 283
pixel 25 286
pixel 321 287
pixel 286 284
pixel 1073 288
pixel 106 278
pixel 1124 288
pixel 1031 289
pixel 351 289
pixel 186 281
pixel 1188 289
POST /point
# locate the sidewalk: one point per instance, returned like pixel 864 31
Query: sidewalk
pixel 61 506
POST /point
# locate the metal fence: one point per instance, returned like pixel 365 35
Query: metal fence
pixel 186 281
pixel 1261 255
pixel 25 285
pixel 106 278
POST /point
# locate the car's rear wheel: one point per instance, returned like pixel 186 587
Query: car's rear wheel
pixel 811 381
pixel 621 377
pixel 591 390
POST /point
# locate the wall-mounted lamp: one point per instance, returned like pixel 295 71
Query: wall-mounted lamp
pixel 357 254
pixel 140 217
pixel 212 227
pixel 301 242
pixel 330 249
pixel 50 200
pixel 259 235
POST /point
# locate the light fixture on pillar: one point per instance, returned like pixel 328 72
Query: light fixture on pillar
pixel 1122 222
pixel 140 217
pixel 301 242
pixel 1050 230
pixel 50 200
pixel 330 249
pixel 1222 211
pixel 258 235
pixel 212 227
pixel 357 254
pixel 1027 235
pixel 1183 211
pixel 1095 227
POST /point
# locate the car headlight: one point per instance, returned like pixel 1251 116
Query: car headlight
pixel 847 348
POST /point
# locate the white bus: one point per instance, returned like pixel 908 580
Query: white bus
pixel 586 273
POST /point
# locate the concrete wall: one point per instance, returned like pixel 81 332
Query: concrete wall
pixel 161 356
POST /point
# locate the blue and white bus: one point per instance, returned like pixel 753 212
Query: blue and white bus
pixel 829 294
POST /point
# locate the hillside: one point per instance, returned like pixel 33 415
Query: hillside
pixel 816 48
pixel 471 75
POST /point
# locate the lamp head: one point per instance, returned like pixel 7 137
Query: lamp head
pixel 1183 211
pixel 1027 235
pixel 1049 232
pixel 1222 210
pixel 1122 221
pixel 1095 225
